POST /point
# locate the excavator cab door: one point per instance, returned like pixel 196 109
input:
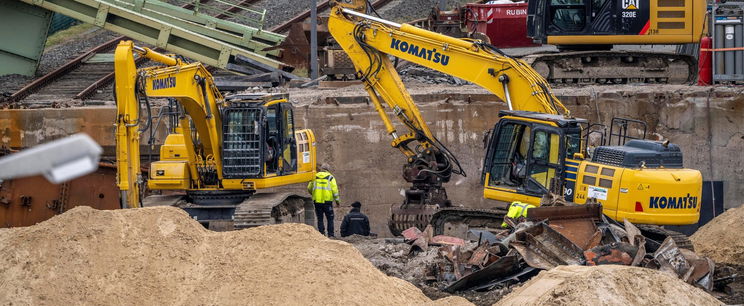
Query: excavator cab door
pixel 524 156
pixel 281 153
pixel 536 20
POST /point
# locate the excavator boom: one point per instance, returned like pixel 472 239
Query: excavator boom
pixel 369 41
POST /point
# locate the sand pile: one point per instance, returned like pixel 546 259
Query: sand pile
pixel 160 256
pixel 606 285
pixel 722 239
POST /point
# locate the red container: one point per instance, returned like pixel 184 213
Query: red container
pixel 504 24
pixel 705 71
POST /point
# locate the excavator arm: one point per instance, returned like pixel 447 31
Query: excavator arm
pixel 369 41
pixel 191 85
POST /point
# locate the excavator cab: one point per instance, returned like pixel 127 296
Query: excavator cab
pixel 527 152
pixel 584 17
pixel 259 136
pixel 530 155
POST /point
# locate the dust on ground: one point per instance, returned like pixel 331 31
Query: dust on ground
pixel 161 256
pixel 607 285
pixel 722 239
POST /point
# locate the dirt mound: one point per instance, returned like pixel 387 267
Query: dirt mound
pixel 606 285
pixel 161 256
pixel 722 239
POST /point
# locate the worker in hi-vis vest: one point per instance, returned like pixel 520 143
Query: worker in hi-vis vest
pixel 516 210
pixel 324 191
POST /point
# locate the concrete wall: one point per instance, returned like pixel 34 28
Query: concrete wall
pixel 352 139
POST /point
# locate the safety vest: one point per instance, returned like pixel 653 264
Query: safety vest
pixel 323 188
pixel 516 210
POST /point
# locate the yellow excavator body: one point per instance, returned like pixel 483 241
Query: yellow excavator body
pixel 219 151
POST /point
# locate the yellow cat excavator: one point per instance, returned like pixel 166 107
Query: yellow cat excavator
pixel 535 148
pixel 586 31
pixel 219 151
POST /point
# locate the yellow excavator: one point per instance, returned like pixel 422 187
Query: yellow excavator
pixel 219 151
pixel 535 148
pixel 585 32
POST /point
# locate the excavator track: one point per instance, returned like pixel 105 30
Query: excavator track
pixel 614 67
pixel 456 221
pixel 272 208
pixel 254 210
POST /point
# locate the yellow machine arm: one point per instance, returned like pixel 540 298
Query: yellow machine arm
pixel 191 85
pixel 368 41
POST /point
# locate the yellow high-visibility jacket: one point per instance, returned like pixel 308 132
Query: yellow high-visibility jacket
pixel 516 210
pixel 323 188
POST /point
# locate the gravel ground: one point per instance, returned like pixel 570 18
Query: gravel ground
pixel 408 10
pixel 11 83
pixel 60 54
pixel 279 11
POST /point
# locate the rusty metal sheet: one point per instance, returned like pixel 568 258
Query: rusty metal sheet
pixel 504 267
pixel 637 239
pixel 577 223
pixel 479 256
pixel 30 200
pixel 544 248
pixel 700 267
pixel 552 213
pixel 412 234
pixel 447 240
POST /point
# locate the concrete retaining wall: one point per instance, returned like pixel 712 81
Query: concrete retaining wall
pixel 706 125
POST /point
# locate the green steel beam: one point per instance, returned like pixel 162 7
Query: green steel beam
pixel 149 30
pixel 245 36
pixel 23 54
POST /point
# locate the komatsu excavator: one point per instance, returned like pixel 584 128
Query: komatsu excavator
pixel 536 146
pixel 219 152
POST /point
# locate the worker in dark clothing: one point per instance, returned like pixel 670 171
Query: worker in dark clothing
pixel 355 222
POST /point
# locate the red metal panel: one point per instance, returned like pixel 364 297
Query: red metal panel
pixel 27 201
pixel 504 24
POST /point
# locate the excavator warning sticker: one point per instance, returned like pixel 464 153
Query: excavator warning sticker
pixel 305 157
pixel 598 193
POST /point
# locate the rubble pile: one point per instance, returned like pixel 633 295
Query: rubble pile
pixel 722 239
pixel 606 285
pixel 552 237
pixel 161 256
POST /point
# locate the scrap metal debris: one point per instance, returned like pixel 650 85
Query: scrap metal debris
pixel 486 258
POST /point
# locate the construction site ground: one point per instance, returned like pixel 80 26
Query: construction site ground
pixel 161 256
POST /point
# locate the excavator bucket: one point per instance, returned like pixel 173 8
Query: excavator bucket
pixel 577 223
pixel 403 217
